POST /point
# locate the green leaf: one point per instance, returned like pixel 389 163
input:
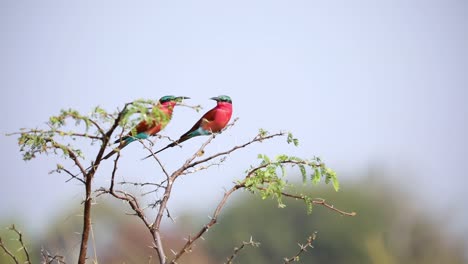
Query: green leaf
pixel 292 139
pixel 283 170
pixel 309 204
pixel 281 157
pixel 262 132
pixel 303 173
pixel 316 176
pixel 330 174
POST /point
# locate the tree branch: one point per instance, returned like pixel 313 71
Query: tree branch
pixel 49 259
pixel 258 138
pixel 56 131
pixel 8 252
pixel 214 219
pixel 238 249
pixel 23 246
pixel 88 185
pixel 319 201
pixel 302 249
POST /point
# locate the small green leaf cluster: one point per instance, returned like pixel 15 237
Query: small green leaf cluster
pixel 38 142
pixel 292 139
pixel 60 120
pixel 101 115
pixel 262 132
pixel 268 178
pixel 32 143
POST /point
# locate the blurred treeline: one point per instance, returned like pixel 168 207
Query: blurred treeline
pixel 389 228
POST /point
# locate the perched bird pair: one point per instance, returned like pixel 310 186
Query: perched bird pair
pixel 212 121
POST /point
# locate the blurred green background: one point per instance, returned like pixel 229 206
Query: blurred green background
pixel 389 228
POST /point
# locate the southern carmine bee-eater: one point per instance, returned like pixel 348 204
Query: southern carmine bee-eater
pixel 212 122
pixel 143 130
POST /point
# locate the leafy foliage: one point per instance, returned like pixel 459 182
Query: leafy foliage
pixel 268 178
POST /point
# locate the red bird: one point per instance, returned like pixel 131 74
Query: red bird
pixel 212 122
pixel 143 130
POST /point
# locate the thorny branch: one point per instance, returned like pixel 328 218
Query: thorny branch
pixel 214 219
pixel 238 249
pixel 302 249
pixel 129 198
pixel 88 184
pixel 191 239
pixel 318 201
pixel 75 159
pixel 8 252
pixel 23 246
pixel 47 258
pixel 55 131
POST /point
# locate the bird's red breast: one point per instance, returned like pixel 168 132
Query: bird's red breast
pixel 217 118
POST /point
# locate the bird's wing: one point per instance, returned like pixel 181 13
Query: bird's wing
pixel 141 127
pixel 201 123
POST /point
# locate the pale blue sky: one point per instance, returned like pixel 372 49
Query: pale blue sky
pixel 360 83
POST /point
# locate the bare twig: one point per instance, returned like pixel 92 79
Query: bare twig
pixel 155 228
pixel 157 160
pixel 49 259
pixel 329 206
pixel 205 167
pixel 142 184
pixel 194 107
pixel 238 249
pixel 23 246
pixel 72 156
pixel 72 176
pixel 214 219
pixel 114 170
pixel 318 201
pixel 8 252
pixel 302 249
pixel 258 138
pixel 98 127
pixel 55 131
pixel 135 206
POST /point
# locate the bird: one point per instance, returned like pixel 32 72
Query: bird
pixel 211 122
pixel 143 130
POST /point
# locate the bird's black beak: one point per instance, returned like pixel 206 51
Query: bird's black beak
pixel 180 98
pixel 215 98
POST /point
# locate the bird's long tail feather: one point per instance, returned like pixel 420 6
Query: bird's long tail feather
pixel 175 143
pixel 166 147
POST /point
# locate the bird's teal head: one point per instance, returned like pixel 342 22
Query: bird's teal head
pixel 222 98
pixel 171 98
